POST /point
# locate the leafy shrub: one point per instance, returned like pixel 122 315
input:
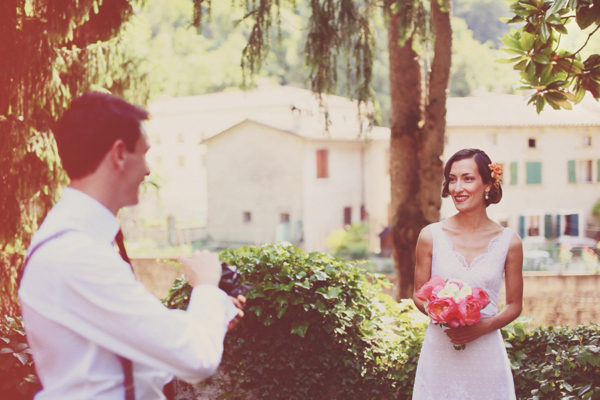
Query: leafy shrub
pixel 350 242
pixel 18 380
pixel 315 327
pixel 555 362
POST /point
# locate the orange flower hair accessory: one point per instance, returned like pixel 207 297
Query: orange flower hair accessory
pixel 496 174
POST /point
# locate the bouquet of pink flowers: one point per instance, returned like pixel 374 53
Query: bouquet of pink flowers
pixel 453 303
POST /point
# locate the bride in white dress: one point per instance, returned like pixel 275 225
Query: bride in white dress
pixel 470 247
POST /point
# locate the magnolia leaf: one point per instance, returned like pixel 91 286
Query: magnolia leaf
pixel 540 58
pixel 511 41
pixel 544 31
pixel 527 40
pixel 584 389
pixel 556 5
pixel 586 16
pixel 539 104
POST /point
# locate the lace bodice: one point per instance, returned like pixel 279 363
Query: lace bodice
pixel 485 271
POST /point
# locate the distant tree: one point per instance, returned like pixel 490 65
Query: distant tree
pixel 342 32
pixel 483 18
pixel 558 77
pixel 50 51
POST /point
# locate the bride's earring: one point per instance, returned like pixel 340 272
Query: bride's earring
pixel 487 195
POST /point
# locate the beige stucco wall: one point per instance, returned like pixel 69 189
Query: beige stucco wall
pixel 324 199
pixel 257 169
pixel 555 146
pixel 378 193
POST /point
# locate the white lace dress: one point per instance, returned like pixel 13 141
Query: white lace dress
pixel 482 370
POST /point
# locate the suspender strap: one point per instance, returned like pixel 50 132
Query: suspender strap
pixel 125 363
pixel 37 246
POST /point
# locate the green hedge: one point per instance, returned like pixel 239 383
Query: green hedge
pixel 319 328
pixel 315 328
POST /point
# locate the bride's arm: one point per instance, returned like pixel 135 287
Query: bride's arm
pixel 423 264
pixel 513 277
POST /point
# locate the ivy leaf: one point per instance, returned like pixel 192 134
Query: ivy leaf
pixel 300 328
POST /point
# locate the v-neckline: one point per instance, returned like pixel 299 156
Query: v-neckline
pixel 475 260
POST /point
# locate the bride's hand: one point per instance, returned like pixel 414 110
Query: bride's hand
pixel 466 334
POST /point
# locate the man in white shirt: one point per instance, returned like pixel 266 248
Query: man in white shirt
pixel 84 312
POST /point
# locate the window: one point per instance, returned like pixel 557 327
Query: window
pixel 347 216
pixel 181 161
pixel 247 217
pixel 514 168
pixel 532 143
pixel 534 225
pixel 322 165
pixel 363 213
pixel 587 141
pixel 533 171
pixel 585 171
pixel 571 225
pixel 284 217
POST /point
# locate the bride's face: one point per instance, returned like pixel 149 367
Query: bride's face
pixel 466 185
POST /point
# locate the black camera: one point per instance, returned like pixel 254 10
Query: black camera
pixel 231 281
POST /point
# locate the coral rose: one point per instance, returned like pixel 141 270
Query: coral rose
pixel 426 290
pixel 482 296
pixel 469 310
pixel 443 311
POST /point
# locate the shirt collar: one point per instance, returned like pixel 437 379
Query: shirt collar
pixel 88 215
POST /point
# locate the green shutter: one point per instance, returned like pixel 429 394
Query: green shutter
pixel 522 226
pixel 571 167
pixel 513 172
pixel 548 226
pixel 534 173
pixel 598 172
pixel 558 232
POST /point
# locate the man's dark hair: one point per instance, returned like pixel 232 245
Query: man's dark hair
pixel 483 161
pixel 90 126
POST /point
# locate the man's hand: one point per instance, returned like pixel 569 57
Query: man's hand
pixel 202 268
pixel 240 303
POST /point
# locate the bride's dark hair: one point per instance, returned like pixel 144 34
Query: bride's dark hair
pixel 483 166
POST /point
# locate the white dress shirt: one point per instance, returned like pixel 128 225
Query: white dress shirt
pixel 82 306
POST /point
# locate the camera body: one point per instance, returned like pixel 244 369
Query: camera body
pixel 231 281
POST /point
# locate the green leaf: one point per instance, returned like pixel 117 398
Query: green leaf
pixel 511 42
pixel 586 15
pixel 584 390
pixel 527 40
pixel 334 292
pixel 544 32
pixel 567 387
pixel 540 58
pixel 556 5
pixel 300 328
pixel 303 284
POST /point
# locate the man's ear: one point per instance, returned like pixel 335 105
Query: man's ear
pixel 117 154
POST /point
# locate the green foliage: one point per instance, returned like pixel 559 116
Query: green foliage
pixel 555 362
pixel 50 52
pixel 596 209
pixel 315 327
pixel 16 364
pixel 350 242
pixel 559 77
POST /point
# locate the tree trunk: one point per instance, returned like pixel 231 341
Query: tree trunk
pixel 417 141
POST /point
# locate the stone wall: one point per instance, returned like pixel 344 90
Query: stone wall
pixel 551 299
